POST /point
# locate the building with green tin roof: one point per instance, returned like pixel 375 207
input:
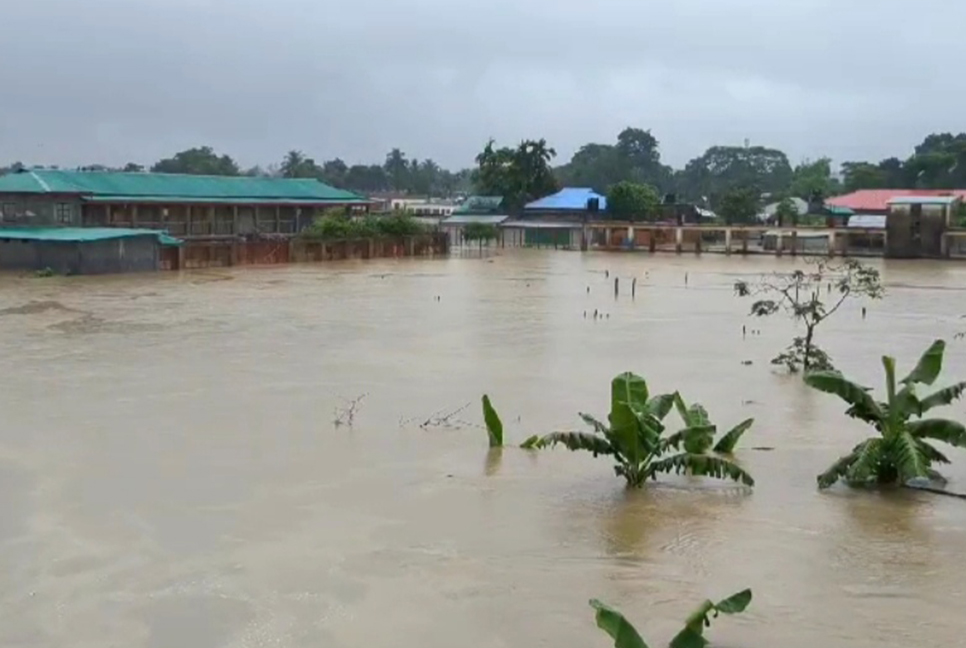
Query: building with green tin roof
pixel 183 205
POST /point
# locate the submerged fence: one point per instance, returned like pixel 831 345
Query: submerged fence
pixel 225 253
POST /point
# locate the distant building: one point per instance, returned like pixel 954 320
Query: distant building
pixel 423 206
pixel 184 205
pixel 876 201
pixel 77 250
pixel 488 210
pixel 916 225
pixel 557 220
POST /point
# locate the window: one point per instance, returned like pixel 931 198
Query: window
pixel 64 213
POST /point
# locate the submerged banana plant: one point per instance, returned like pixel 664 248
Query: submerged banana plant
pixel 625 635
pixel 634 437
pixel 494 427
pixel 903 450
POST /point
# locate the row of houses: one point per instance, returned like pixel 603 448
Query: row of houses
pixel 130 212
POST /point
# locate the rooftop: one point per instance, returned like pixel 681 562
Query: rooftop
pixel 157 187
pixel 80 234
pixel 480 205
pixel 924 200
pixel 568 199
pixel 877 200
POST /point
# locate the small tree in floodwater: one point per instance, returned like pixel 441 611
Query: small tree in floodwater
pixel 482 233
pixel 800 294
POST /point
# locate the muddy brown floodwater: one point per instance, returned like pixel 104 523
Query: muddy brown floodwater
pixel 170 475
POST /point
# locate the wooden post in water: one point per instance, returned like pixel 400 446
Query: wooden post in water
pixel 634 288
pixel 616 287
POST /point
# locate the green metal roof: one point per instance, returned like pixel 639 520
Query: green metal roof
pixel 81 234
pixel 480 205
pixel 134 186
pixel 220 201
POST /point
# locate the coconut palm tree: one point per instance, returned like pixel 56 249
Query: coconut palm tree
pixel 634 437
pixel 903 451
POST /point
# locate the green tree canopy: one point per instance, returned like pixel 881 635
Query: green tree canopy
pixel 739 205
pixel 518 174
pixel 198 161
pixel 633 201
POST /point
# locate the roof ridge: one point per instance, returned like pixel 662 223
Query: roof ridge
pixel 40 181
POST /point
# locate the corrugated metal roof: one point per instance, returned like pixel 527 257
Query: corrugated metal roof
pixel 568 198
pixel 480 205
pixel 923 200
pixel 465 219
pixel 543 224
pixel 81 234
pixel 878 199
pixel 220 201
pixel 111 183
pixel 800 206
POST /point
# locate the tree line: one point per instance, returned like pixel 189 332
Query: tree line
pixel 720 176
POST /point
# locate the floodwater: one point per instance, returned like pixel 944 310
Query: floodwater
pixel 170 475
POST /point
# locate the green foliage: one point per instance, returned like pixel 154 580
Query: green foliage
pixel 786 213
pixel 813 181
pixel 803 354
pixel 518 174
pixel 480 232
pixel 625 635
pixel 740 205
pixel 902 451
pixel 494 426
pixel 635 157
pixel 198 161
pixel 633 201
pixel 335 225
pixel 723 169
pixel 799 294
pixel 635 438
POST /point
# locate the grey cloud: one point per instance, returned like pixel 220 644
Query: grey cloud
pixel 113 81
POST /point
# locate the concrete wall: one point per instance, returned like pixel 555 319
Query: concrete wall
pixel 35 210
pixel 133 254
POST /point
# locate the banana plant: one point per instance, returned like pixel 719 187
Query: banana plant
pixel 903 450
pixel 494 427
pixel 634 437
pixel 625 635
pixel 699 431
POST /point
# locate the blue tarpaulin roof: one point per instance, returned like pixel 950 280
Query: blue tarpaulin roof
pixel 568 198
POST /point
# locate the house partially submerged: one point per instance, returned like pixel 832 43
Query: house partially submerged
pixel 556 220
pixel 486 210
pixel 916 225
pixel 82 250
pixel 184 205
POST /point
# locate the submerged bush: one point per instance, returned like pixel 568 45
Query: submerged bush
pixel 339 226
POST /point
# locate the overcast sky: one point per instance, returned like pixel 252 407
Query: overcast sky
pixel 111 81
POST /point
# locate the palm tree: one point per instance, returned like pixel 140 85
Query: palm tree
pixel 634 438
pixel 397 167
pixel 902 451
